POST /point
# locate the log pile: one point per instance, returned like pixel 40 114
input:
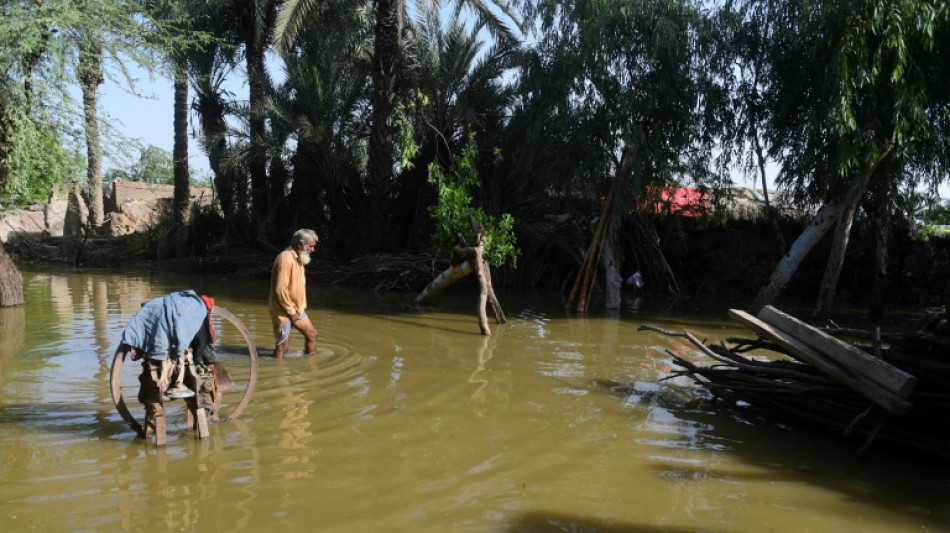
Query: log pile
pixel 382 273
pixel 889 389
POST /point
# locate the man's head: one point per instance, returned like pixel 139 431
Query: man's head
pixel 303 242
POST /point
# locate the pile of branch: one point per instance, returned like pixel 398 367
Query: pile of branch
pixel 383 272
pixel 895 391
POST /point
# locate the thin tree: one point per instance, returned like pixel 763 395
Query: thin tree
pixel 873 100
pixel 623 97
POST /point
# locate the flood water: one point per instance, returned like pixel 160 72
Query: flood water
pixel 410 420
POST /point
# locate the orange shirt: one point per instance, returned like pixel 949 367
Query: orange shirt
pixel 288 288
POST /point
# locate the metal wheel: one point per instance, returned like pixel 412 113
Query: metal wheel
pixel 250 374
pixel 116 380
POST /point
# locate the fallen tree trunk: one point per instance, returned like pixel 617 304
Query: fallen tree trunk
pixel 450 276
pixel 466 260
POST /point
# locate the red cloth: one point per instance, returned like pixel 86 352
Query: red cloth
pixel 209 303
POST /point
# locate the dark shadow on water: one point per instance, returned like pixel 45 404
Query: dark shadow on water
pixel 545 522
pixel 796 454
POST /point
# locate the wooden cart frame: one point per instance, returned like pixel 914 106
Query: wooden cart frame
pixel 203 407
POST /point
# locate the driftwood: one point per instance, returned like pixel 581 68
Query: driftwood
pixel 792 379
pixel 841 373
pixel 888 376
pixel 465 260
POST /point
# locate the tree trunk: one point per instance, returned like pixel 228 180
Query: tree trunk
pixel 880 263
pixel 612 278
pixel 211 108
pixel 11 282
pixel 443 281
pixel 181 200
pixel 257 129
pixel 385 65
pixel 829 282
pixel 484 286
pixel 817 229
pixel 770 211
pixel 6 145
pixel 90 77
pixel 492 299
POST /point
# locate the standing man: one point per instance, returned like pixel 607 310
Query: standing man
pixel 288 293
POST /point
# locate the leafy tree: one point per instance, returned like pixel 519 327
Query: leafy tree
pixel 210 66
pixel 155 165
pixel 456 215
pixel 455 210
pixel 321 107
pixel 385 65
pixel 254 21
pixel 56 44
pixel 618 97
pixel 853 85
pixel 38 162
pixel 460 89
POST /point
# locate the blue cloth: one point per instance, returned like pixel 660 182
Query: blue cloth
pixel 165 326
pixel 285 329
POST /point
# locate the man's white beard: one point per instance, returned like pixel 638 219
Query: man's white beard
pixel 303 257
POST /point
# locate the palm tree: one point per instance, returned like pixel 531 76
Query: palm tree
pixel 90 76
pixel 175 17
pixel 462 88
pixel 321 106
pixel 384 69
pixel 211 104
pixel 255 21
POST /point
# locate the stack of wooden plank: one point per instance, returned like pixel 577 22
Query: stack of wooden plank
pixel 895 391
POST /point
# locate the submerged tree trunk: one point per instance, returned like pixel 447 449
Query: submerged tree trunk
pixel 90 77
pixel 490 291
pixel 11 282
pixel 817 229
pixel 829 282
pixel 880 264
pixel 443 281
pixel 465 260
pixel 612 278
pixel 484 286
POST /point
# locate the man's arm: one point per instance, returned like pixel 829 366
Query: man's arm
pixel 281 286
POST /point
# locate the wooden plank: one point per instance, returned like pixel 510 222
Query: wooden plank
pixel 877 370
pixel 801 351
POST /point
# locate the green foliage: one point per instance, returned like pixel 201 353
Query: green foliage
pixel 938 214
pixel 39 116
pixel 455 208
pixel 38 162
pixel 881 90
pixel 155 165
pixel 626 82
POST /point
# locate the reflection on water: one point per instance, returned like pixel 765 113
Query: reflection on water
pixel 413 421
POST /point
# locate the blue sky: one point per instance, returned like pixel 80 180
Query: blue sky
pixel 148 119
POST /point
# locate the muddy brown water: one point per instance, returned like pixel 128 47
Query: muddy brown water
pixel 410 420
